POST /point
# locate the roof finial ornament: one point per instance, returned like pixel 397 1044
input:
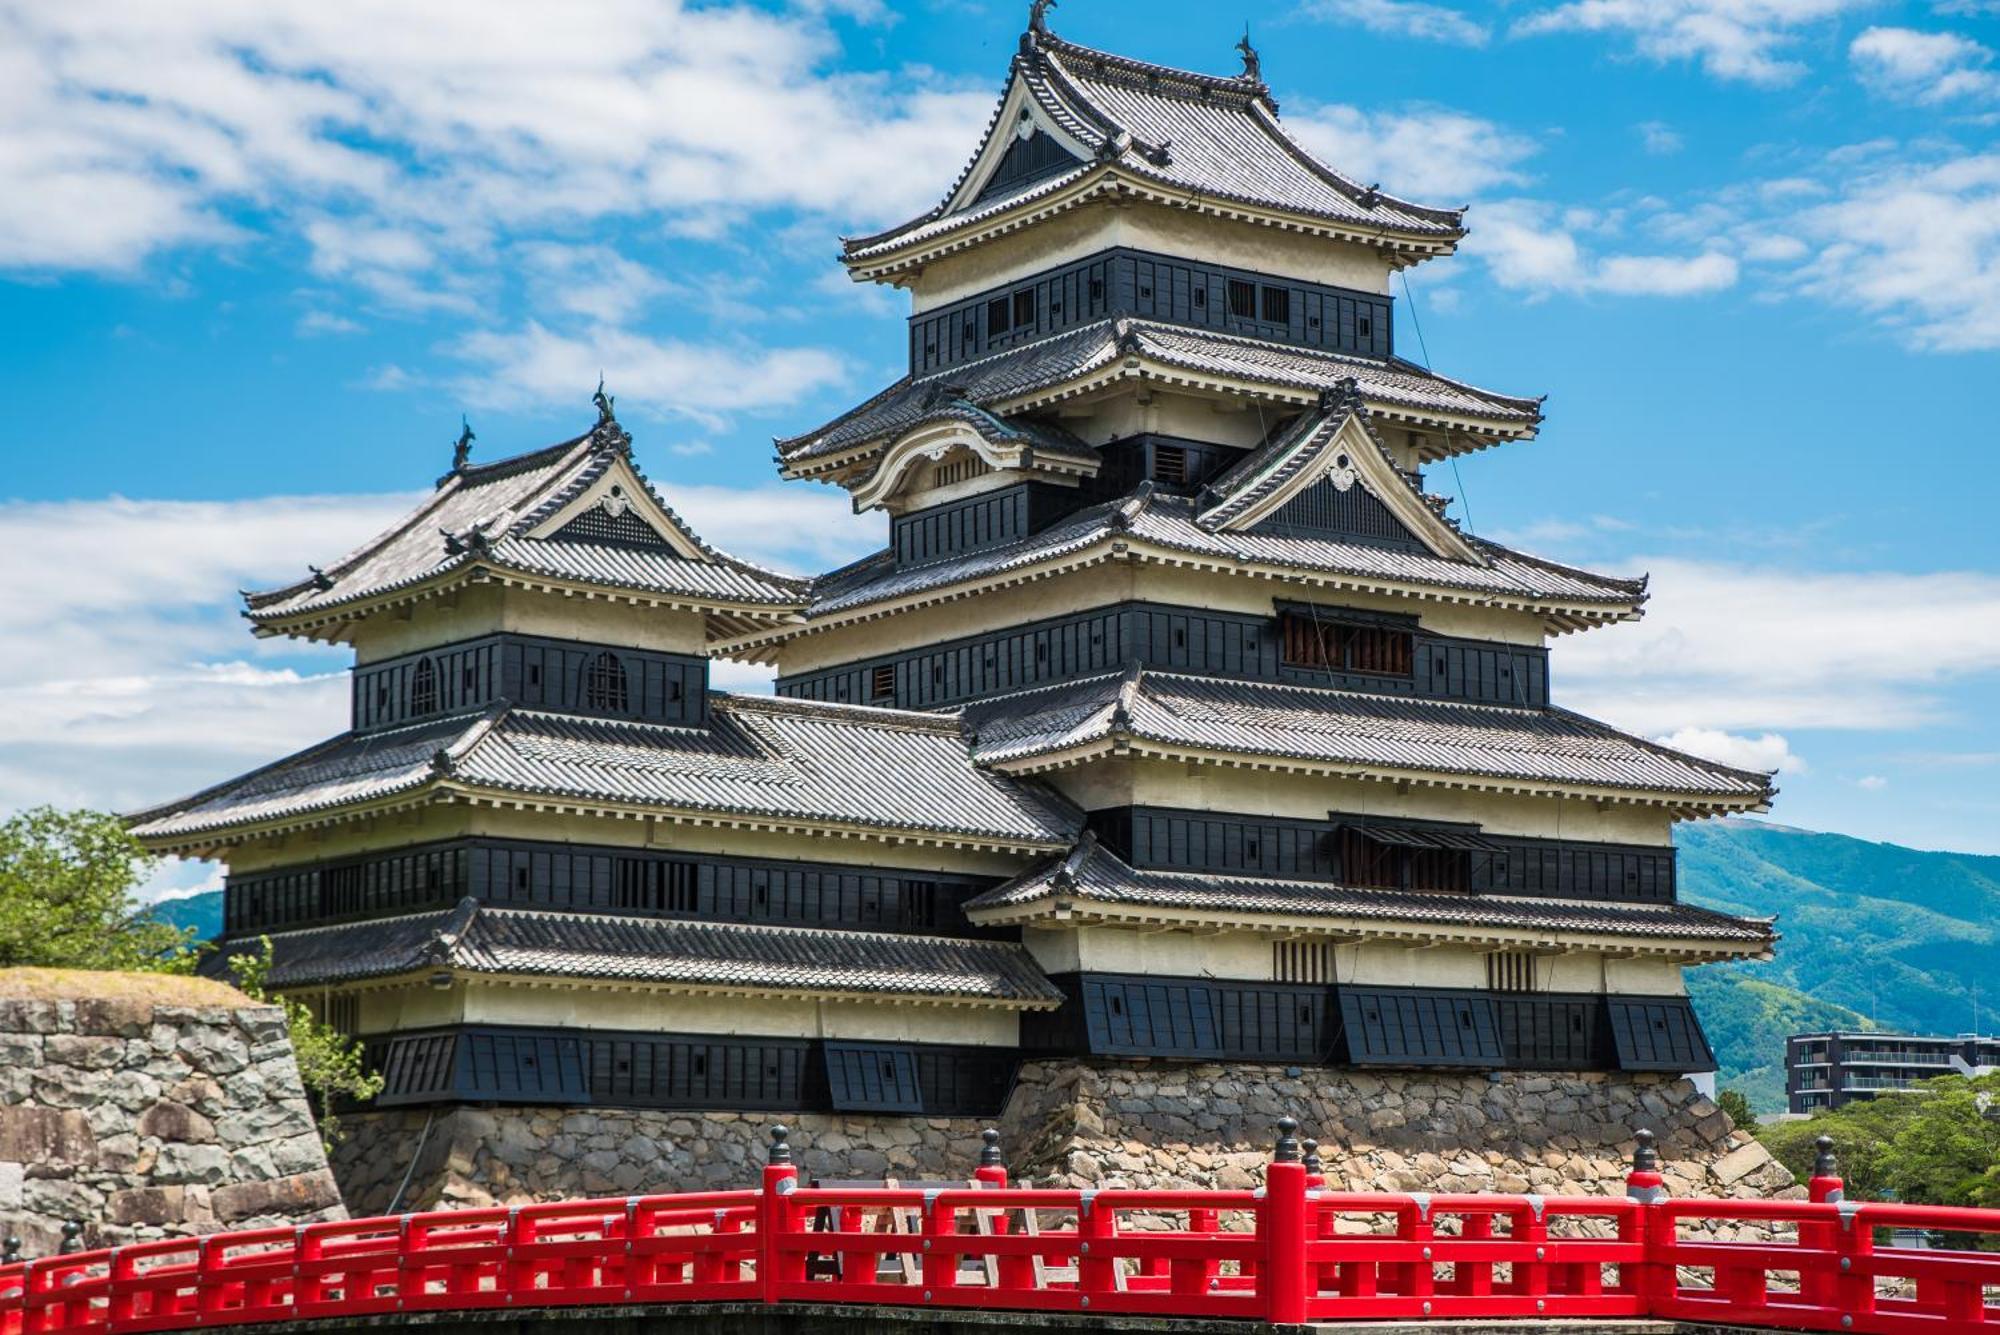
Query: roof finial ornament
pixel 604 402
pixel 461 450
pixel 1253 67
pixel 1038 15
pixel 320 579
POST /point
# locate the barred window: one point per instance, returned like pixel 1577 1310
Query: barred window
pixel 1511 971
pixel 604 685
pixel 1310 642
pixel 423 688
pixel 1302 961
pixel 882 682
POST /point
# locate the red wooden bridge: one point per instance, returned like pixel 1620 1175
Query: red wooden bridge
pixel 1288 1254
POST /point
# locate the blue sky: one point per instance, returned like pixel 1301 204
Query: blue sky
pixel 256 260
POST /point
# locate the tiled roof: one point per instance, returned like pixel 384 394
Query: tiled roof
pixel 475 938
pixel 1345 728
pixel 1194 135
pixel 1092 874
pixel 788 760
pixel 1169 522
pixel 481 516
pixel 1389 386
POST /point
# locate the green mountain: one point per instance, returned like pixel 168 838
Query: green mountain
pixel 203 912
pixel 1871 932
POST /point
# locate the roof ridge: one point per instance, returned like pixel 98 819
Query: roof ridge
pixel 1660 748
pixel 1637 584
pixel 910 720
pixel 1237 86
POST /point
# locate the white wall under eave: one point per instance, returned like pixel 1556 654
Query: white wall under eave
pixel 500 1002
pixel 481 609
pixel 1250 957
pixel 1220 788
pixel 1085 231
pixel 429 824
pixel 1138 407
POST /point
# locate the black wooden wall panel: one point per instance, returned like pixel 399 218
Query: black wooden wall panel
pixel 1121 281
pixel 1165 637
pixel 1242 845
pixel 1658 1034
pixel 1542 1031
pixel 1410 1027
pixel 530 874
pixel 986 520
pixel 1324 510
pixel 534 671
pixel 479 1064
pixel 1037 157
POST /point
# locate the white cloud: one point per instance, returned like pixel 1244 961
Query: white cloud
pixel 1917 244
pixel 315 323
pixel 589 280
pixel 132 680
pixel 535 365
pixel 395 139
pixel 1928 68
pixel 1873 783
pixel 1746 40
pixel 1431 154
pixel 1402 18
pixel 1660 138
pixel 1767 751
pixel 1728 648
pixel 1529 245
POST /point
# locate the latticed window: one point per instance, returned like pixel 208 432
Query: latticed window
pixel 882 681
pixel 1310 642
pixel 1511 971
pixel 423 688
pixel 1302 961
pixel 604 684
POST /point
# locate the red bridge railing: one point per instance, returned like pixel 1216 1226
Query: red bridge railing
pixel 1290 1253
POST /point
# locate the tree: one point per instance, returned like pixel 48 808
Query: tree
pixel 1931 1145
pixel 1737 1105
pixel 66 882
pixel 330 1062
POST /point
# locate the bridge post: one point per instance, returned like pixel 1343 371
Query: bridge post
pixel 1015 1273
pixel 1817 1281
pixel 1654 1276
pixel 1283 1222
pixel 777 1221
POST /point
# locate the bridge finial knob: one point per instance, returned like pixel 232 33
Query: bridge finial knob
pixel 12 1251
pixel 1288 1144
pixel 72 1238
pixel 1824 1163
pixel 1314 1164
pixel 1645 1158
pixel 989 1148
pixel 781 1151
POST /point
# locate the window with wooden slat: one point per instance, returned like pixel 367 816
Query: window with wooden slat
pixel 604 684
pixel 882 682
pixel 423 688
pixel 1302 961
pixel 1333 646
pixel 1170 465
pixel 1511 971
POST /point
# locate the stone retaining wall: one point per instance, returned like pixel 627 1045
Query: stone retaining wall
pixel 141 1120
pixel 1096 1124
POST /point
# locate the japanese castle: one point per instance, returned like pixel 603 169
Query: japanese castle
pixel 1178 720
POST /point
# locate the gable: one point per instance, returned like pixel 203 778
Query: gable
pixel 601 526
pixel 1035 157
pixel 618 508
pixel 1325 509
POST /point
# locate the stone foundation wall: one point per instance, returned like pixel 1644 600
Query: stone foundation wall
pixel 140 1119
pixel 1140 1124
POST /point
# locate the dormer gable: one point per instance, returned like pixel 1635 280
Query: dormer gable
pixel 1330 475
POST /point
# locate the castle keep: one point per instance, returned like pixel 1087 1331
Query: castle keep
pixel 1177 721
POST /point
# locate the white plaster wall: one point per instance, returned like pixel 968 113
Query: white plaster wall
pixel 450 822
pixel 481 609
pixel 488 1001
pixel 1087 230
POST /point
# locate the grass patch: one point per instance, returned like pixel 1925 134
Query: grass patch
pixel 160 989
